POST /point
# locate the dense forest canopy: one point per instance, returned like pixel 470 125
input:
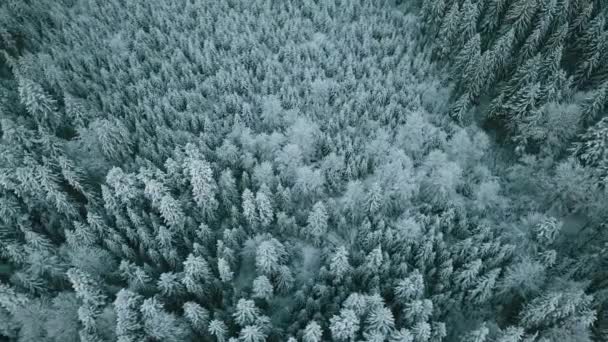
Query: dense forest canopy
pixel 361 170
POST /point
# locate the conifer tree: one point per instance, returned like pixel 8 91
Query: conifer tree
pixel 129 326
pixel 159 324
pixel 262 288
pixel 197 316
pixel 251 333
pixel 269 256
pixel 312 332
pixel 93 301
pixel 264 206
pixel 339 265
pixel 345 326
pixel 246 312
pixel 317 222
pixel 225 272
pixel 196 274
pixel 218 329
pixel 204 188
pixel 380 319
pixel 249 211
pixel 449 29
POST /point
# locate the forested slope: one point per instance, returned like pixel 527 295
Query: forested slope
pixel 534 74
pixel 281 171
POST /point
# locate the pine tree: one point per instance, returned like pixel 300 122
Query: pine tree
pixel 411 287
pixel 478 335
pixel 339 265
pixel 402 335
pixel 251 333
pixel 568 306
pixel 249 211
pixel 93 301
pixel 594 43
pixel 169 284
pixel 129 327
pixel 422 331
pixel 483 289
pixel 317 222
pixel 521 15
pixel 374 200
pixel 344 327
pixel 159 324
pixel 418 310
pixel 432 12
pixel 468 21
pixel 470 271
pixel 374 260
pixel 467 62
pixel 197 316
pixel 218 329
pixel 591 150
pixel 225 272
pixel 492 17
pixel 546 13
pixel 227 188
pixel 285 279
pixel 312 332
pixel 547 230
pixel 196 274
pixel 38 102
pixel 246 312
pixel 204 188
pixel 374 336
pixel 262 288
pixel 264 206
pixel 511 334
pixel 449 30
pixel 269 256
pixel 596 103
pixel 380 319
pixel 113 138
pixel 501 54
pixel 171 211
pixel 357 303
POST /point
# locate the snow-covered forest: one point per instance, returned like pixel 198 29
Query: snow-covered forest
pixel 304 170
